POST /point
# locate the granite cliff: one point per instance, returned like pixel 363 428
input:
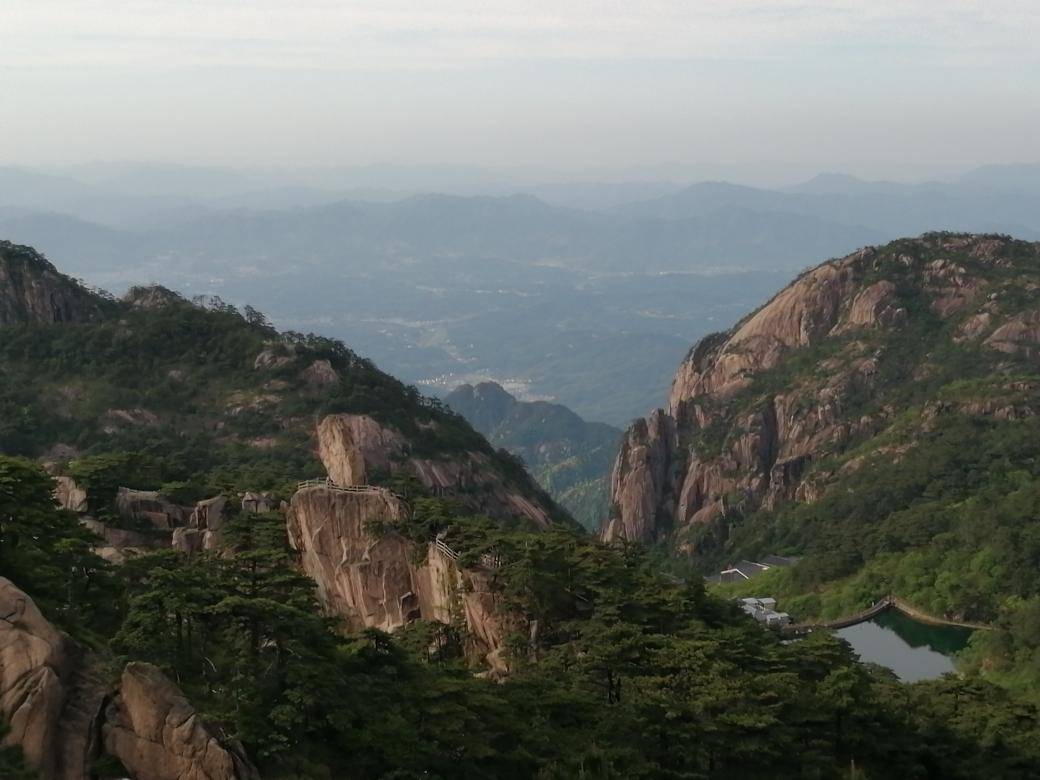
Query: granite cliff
pixel 770 411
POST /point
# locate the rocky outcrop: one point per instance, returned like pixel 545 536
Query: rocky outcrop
pixel 726 444
pixel 152 297
pixel 370 576
pixel 352 447
pixel 1019 335
pixel 150 507
pixel 34 660
pixel 53 694
pixel 157 735
pixel 364 578
pixel 115 544
pixel 32 291
pixel 116 420
pixel 273 357
pixel 320 373
pixel 69 495
pixel 204 526
pixel 258 503
pixel 642 479
pixel 209 514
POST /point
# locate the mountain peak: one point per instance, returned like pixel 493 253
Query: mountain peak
pixel 827 364
pixel 33 291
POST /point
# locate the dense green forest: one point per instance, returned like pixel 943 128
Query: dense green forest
pixel 632 674
pixel 172 395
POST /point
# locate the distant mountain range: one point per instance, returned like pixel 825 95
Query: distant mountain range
pixel 570 458
pixel 445 289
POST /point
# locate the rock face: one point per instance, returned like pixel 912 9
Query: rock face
pixel 731 440
pixel 152 297
pixel 157 735
pixel 69 495
pixel 320 373
pixel 52 698
pixel 1019 335
pixel 34 660
pixel 149 506
pixel 352 446
pixel 364 579
pixel 380 579
pixel 258 503
pixel 32 291
pixel 641 477
pixel 204 526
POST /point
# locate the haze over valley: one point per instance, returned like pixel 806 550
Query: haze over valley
pixel 539 287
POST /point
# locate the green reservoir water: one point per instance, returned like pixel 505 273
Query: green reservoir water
pixel 914 651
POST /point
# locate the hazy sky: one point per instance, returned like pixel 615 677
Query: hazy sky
pixel 878 87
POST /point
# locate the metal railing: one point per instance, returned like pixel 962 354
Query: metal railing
pixel 487 560
pixel 330 485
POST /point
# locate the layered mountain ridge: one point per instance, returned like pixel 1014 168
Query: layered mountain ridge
pixel 568 456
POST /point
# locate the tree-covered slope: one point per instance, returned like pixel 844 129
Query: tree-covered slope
pixel 570 458
pixel 878 418
pixel 628 675
pixel 195 396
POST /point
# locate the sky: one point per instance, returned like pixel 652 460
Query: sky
pixel 883 89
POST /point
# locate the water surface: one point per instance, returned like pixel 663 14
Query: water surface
pixel 914 651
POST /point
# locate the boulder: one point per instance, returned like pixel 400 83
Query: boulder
pixel 258 503
pixel 209 515
pixel 351 445
pixel 157 735
pixel 149 506
pixel 35 658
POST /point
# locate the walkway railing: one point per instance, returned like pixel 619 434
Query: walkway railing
pixel 330 485
pixel 888 602
pixel 444 548
pixel 487 560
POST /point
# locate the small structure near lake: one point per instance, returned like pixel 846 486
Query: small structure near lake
pixel 764 611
